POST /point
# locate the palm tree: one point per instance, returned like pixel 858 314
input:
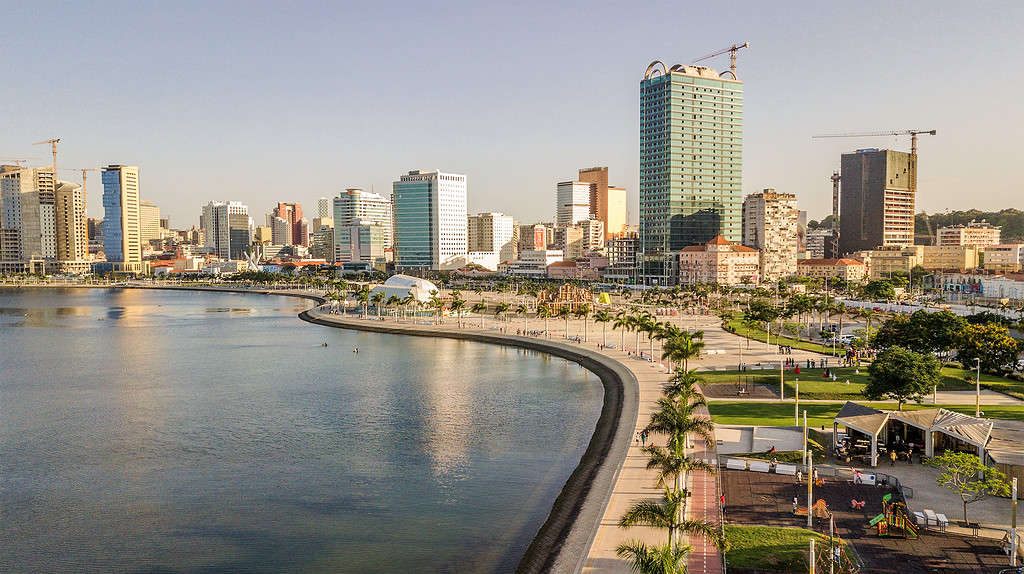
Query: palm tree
pixel 582 312
pixel 457 306
pixel 621 322
pixel 499 309
pixel 544 312
pixel 640 323
pixel 479 307
pixel 392 302
pixel 868 315
pixel 363 296
pixel 683 347
pixel 437 304
pixel 667 513
pixel 682 387
pixel 603 317
pixel 377 299
pixel 676 419
pixel 406 301
pixel 665 332
pixel 564 313
pixel 522 309
pixel 657 559
pixel 673 465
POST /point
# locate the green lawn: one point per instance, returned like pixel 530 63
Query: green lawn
pixel 813 386
pixel 756 334
pixel 821 414
pixel 770 548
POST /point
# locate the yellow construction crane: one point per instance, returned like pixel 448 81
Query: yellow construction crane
pixel 836 177
pixel 83 171
pixel 53 145
pixel 732 56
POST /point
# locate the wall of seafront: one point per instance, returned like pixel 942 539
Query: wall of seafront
pixel 563 541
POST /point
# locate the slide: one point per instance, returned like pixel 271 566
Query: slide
pixel 876 519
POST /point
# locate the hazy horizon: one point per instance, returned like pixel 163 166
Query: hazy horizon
pixel 261 102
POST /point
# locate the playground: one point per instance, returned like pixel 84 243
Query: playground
pixel 878 528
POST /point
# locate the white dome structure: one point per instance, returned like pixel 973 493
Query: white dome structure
pixel 402 286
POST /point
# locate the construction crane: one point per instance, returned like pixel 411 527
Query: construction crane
pixel 53 145
pixel 732 56
pixel 16 161
pixel 84 171
pixel 836 177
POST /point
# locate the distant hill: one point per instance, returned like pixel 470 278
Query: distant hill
pixel 1011 220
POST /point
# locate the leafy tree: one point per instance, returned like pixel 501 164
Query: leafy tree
pixel 878 289
pixel 967 476
pixel 901 374
pixel 992 344
pixel 921 332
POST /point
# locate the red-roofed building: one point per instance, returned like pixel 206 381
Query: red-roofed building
pixel 846 269
pixel 719 261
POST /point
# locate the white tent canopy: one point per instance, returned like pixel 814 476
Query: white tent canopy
pixel 402 286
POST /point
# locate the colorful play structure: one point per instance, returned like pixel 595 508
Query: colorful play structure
pixel 832 558
pixel 894 519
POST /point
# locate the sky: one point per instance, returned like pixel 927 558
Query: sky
pixel 262 102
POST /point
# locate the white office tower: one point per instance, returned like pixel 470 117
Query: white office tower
pixel 430 220
pixel 573 202
pixel 355 205
pixel 493 233
pixel 227 228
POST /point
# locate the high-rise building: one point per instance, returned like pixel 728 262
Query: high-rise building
pixel 354 205
pixel 770 222
pixel 430 220
pixel 622 258
pixel 532 237
pixel 818 242
pixel 28 197
pixel 227 229
pixel 281 231
pixel 321 239
pixel 607 203
pixel 974 234
pixel 149 219
pixel 292 213
pixel 323 208
pixel 493 233
pixel 876 200
pixel 593 235
pixel 359 242
pixel 122 229
pixel 573 201
pixel 691 143
pixel 72 231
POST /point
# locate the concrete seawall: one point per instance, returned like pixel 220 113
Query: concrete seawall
pixel 563 541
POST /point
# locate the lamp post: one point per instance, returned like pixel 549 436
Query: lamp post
pixel 977 389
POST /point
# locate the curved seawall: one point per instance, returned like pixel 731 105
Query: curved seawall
pixel 563 541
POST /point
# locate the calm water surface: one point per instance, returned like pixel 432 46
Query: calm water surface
pixel 154 431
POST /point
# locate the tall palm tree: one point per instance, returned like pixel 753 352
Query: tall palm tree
pixel 868 315
pixel 377 299
pixel 673 465
pixel 622 323
pixel 656 559
pixel 682 387
pixel 406 302
pixel 665 332
pixel 582 312
pixel 677 420
pixel 522 309
pixel 564 313
pixel 667 513
pixel 544 312
pixel 603 317
pixel 640 324
pixel 457 306
pixel 392 302
pixel 499 309
pixel 683 347
pixel 363 296
pixel 479 307
pixel 437 304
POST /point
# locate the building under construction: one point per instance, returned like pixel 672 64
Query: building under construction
pixel 877 200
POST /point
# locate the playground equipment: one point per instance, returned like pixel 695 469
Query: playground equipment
pixel 833 556
pixel 894 517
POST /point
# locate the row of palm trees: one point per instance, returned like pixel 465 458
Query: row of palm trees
pixel 676 419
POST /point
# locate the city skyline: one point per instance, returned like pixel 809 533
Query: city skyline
pixel 804 75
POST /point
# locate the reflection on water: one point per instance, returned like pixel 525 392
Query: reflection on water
pixel 148 431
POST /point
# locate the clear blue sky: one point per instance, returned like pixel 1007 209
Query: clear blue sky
pixel 261 102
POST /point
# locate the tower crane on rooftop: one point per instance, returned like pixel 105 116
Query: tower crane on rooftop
pixel 836 176
pixel 53 146
pixel 732 56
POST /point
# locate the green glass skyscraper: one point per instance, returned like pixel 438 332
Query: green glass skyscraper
pixel 691 164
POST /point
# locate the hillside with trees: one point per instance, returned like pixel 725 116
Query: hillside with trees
pixel 1011 220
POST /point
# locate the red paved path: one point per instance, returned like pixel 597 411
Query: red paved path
pixel 704 504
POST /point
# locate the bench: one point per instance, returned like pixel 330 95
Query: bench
pixel 760 466
pixel 736 464
pixel 787 469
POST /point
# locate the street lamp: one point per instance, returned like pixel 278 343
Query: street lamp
pixel 977 389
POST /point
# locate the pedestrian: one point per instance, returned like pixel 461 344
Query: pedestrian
pixel 721 499
pixel 892 457
pixel 643 438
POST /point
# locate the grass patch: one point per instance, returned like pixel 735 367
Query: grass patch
pixel 821 414
pixel 756 334
pixel 770 548
pixel 813 386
